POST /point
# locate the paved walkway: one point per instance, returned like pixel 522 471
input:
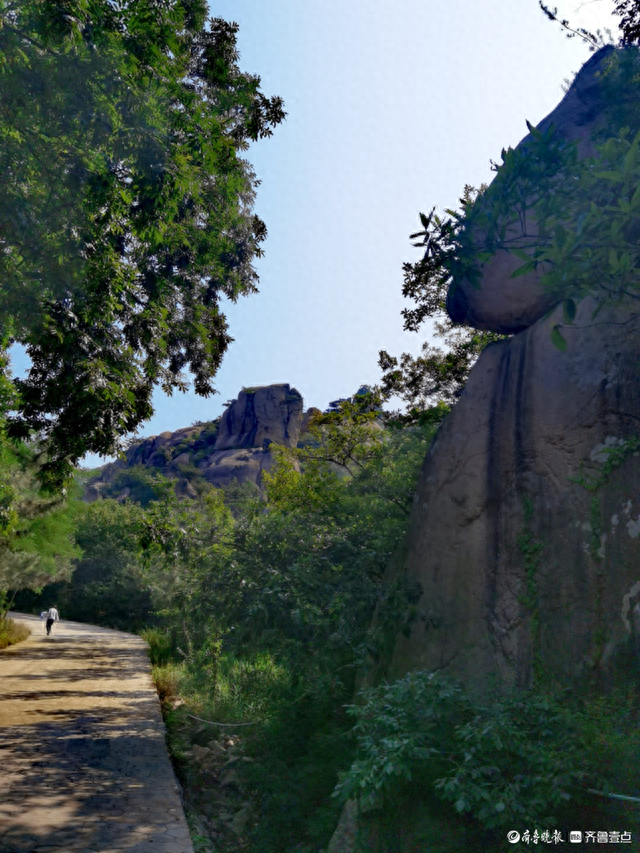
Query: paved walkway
pixel 83 762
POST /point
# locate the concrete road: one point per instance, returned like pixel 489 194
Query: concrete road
pixel 83 761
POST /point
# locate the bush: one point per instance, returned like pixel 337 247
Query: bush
pixel 523 756
pixel 12 632
pixel 161 646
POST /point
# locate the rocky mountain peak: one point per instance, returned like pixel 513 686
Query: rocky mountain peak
pixel 232 447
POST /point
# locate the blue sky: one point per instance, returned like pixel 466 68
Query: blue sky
pixel 392 108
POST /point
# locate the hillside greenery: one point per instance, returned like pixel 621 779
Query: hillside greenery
pixel 258 608
pixel 266 613
pixel 272 611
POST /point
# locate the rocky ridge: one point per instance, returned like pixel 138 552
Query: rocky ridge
pixel 235 446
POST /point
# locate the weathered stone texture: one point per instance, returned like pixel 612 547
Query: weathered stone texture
pixel 260 416
pixel 522 568
pixel 507 305
pixel 238 449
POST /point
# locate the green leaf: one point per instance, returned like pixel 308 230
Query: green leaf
pixel 535 133
pixel 524 269
pixel 561 235
pixel 609 175
pixel 569 310
pixel 557 340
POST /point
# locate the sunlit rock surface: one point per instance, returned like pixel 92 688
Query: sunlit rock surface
pixel 525 533
pixel 506 305
pixel 524 569
pixel 235 447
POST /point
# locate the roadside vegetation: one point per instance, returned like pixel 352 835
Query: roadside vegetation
pixel 258 613
pixel 11 632
pixel 266 612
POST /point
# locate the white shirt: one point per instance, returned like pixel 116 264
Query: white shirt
pixel 53 614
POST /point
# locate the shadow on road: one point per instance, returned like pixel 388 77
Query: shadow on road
pixel 92 784
pixel 82 748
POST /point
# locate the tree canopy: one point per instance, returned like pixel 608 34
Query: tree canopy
pixel 125 209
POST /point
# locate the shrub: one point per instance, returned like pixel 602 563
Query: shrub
pixel 12 632
pixel 522 756
pixel 161 647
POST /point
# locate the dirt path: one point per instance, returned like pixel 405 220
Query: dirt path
pixel 83 761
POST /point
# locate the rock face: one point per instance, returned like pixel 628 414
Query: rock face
pixel 523 550
pixel 523 569
pixel 235 447
pixel 525 531
pixel 508 305
pixel 260 416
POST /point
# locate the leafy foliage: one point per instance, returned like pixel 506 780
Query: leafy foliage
pixel 139 484
pixel 438 376
pixel 629 13
pixel 126 213
pixel 37 542
pixel 263 614
pixel 594 40
pixel 522 758
pixel 106 587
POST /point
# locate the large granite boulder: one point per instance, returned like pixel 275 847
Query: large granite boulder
pixel 506 305
pixel 524 538
pixel 260 416
pixel 526 550
pixel 233 447
pixel 522 559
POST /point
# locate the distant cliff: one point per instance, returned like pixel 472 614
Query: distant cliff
pixel 232 447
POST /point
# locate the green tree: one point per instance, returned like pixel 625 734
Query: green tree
pixel 37 532
pixel 126 209
pixel 108 586
pixel 438 376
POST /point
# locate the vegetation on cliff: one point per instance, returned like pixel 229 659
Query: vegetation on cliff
pixel 265 614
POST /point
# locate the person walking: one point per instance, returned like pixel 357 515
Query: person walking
pixel 52 616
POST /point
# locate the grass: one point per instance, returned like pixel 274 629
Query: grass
pixel 292 753
pixel 167 680
pixel 161 648
pixel 12 632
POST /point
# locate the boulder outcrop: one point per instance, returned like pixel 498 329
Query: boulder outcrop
pixel 523 553
pixel 260 416
pixel 233 447
pixel 525 533
pixel 525 546
pixel 502 304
